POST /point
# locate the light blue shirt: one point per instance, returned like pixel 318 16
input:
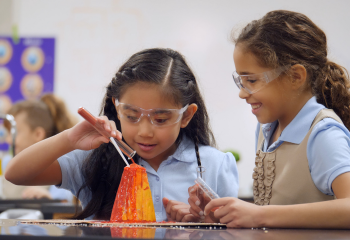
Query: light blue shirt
pixel 328 147
pixel 177 173
pixel 173 178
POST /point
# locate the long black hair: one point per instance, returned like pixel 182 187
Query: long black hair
pixel 103 169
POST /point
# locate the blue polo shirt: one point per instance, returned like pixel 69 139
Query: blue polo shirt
pixel 177 173
pixel 173 177
pixel 328 147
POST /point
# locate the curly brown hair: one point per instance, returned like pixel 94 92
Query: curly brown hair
pixel 283 38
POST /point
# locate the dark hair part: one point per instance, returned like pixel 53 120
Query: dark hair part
pixel 49 112
pixel 168 69
pixel 283 38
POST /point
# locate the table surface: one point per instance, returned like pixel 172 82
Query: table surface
pixel 13 229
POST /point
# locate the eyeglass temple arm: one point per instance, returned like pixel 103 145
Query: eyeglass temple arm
pixel 13 130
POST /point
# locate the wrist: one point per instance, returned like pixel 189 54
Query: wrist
pixel 261 216
pixel 65 137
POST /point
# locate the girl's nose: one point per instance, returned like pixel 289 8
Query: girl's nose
pixel 145 128
pixel 243 94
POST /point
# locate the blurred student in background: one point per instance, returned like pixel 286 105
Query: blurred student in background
pixel 35 121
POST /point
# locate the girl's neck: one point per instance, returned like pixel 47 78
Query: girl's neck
pixel 156 161
pixel 292 111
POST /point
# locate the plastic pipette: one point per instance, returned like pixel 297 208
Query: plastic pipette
pixel 119 145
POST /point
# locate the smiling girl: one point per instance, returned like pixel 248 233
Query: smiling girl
pixel 154 99
pixel 301 100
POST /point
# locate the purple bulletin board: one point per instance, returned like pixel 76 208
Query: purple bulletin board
pixel 26 70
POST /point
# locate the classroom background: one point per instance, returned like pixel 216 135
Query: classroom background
pixel 94 37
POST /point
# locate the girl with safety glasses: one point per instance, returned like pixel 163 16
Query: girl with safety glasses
pixel 155 101
pixel 301 100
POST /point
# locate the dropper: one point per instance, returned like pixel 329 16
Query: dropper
pixel 121 146
pixel 119 151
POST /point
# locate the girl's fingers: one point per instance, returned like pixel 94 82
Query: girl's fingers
pixel 106 123
pixel 110 127
pixel 216 203
pixel 170 205
pixel 114 131
pixel 196 210
pixel 226 218
pixel 192 191
pixel 180 214
pixel 190 218
pixel 194 213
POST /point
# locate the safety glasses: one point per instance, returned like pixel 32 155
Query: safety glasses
pixel 159 117
pixel 254 82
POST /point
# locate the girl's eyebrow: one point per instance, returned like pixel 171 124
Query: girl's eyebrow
pixel 245 73
pixel 131 107
pixel 157 111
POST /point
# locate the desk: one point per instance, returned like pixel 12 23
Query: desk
pixel 47 206
pixel 11 229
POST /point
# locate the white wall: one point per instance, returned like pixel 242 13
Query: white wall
pixel 94 37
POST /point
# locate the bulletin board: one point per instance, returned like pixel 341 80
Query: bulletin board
pixel 26 71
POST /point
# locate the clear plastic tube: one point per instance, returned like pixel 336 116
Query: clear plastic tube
pixel 206 189
pixel 129 152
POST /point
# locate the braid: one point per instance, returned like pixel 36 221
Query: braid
pixel 196 142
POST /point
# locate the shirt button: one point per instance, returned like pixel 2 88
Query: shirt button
pixel 157 178
pixel 157 199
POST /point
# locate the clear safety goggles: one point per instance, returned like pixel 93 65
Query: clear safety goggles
pixel 254 82
pixel 159 116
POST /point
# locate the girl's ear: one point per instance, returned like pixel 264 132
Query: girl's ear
pixel 299 75
pixel 188 115
pixel 39 134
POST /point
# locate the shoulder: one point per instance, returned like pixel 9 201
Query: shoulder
pixel 214 158
pixel 209 151
pixel 328 153
pixel 327 137
pixel 327 131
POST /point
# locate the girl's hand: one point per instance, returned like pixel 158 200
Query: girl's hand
pixel 85 137
pixel 177 211
pixel 198 204
pixel 235 213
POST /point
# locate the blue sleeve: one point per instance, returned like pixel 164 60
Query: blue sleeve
pixel 72 177
pixel 257 130
pixel 228 177
pixel 328 153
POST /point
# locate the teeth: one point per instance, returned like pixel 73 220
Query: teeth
pixel 256 106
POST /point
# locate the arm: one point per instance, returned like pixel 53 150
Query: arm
pixel 329 214
pixel 328 154
pixel 38 165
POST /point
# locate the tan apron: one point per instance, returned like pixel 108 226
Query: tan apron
pixel 282 177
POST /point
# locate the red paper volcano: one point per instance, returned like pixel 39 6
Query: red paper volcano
pixel 133 202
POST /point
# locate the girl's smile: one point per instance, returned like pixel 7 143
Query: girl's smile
pixel 255 107
pixel 270 103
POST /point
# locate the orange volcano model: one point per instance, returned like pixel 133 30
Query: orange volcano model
pixel 133 202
